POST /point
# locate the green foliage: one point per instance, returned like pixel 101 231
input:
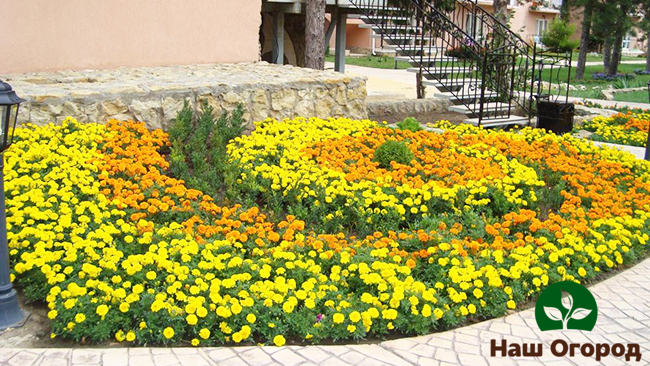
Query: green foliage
pixel 409 123
pixel 557 37
pixel 199 146
pixel 390 151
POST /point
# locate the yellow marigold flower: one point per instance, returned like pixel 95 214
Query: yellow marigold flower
pixel 511 304
pixel 79 318
pixel 168 332
pixel 102 310
pixel 195 342
pixel 52 314
pixel 192 319
pixel 251 318
pixel 204 333
pixel 279 340
pixel 130 336
pixel 338 318
pixel 119 336
pixel 355 316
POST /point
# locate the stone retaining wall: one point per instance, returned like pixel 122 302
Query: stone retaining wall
pixel 424 110
pixel 154 95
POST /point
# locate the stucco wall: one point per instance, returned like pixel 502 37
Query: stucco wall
pixel 44 35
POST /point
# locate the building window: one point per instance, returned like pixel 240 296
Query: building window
pixel 626 42
pixel 469 26
pixel 540 29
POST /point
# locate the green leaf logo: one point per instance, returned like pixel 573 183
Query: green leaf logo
pixel 566 305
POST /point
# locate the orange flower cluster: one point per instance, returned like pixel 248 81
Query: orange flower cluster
pixel 434 159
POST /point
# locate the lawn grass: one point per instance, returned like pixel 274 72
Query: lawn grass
pixel 378 62
pixel 599 57
pixel 590 83
pixel 640 96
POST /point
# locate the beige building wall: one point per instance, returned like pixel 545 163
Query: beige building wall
pixel 47 35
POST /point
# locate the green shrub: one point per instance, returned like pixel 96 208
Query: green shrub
pixel 392 150
pixel 198 146
pixel 557 37
pixel 409 123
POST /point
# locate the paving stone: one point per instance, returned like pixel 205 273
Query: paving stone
pixel 493 361
pixel 256 356
pixel 335 350
pixel 84 356
pixel 353 357
pixel 288 358
pixel 401 344
pixel 428 362
pixel 165 360
pixel 110 358
pixel 440 343
pixel 52 361
pixel 220 354
pixel 161 351
pixel 499 327
pixel 408 356
pixel 379 353
pixel 57 353
pixel 194 360
pixel 314 354
pixel 233 361
pixel 141 360
pixel 446 355
pixel 139 351
pixel 471 360
pixel 467 339
pixel 333 361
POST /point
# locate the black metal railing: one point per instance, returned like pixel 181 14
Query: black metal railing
pixel 464 51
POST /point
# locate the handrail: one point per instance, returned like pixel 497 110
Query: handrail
pixel 499 60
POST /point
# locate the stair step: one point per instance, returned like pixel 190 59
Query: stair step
pixel 497 122
pixel 441 70
pixel 464 97
pixel 475 108
pixel 395 36
pixel 426 48
pixel 390 27
pixel 426 60
pixel 444 83
pixel 378 19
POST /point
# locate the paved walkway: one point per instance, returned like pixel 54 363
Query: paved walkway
pixel 385 84
pixel 612 103
pixel 624 317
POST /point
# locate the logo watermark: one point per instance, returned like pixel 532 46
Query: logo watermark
pixel 566 306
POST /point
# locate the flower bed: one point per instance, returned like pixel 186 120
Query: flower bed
pixel 476 223
pixel 625 129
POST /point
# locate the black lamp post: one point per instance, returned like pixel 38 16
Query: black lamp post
pixel 11 315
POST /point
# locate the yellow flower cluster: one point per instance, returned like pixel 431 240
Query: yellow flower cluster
pixel 625 129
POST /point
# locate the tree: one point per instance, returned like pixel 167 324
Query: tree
pixel 315 34
pixel 557 37
pixel 644 24
pixel 501 10
pixel 584 38
pixel 565 10
pixel 622 25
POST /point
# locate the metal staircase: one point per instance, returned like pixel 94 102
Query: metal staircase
pixel 486 70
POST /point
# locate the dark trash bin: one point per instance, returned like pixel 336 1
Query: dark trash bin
pixel 554 116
